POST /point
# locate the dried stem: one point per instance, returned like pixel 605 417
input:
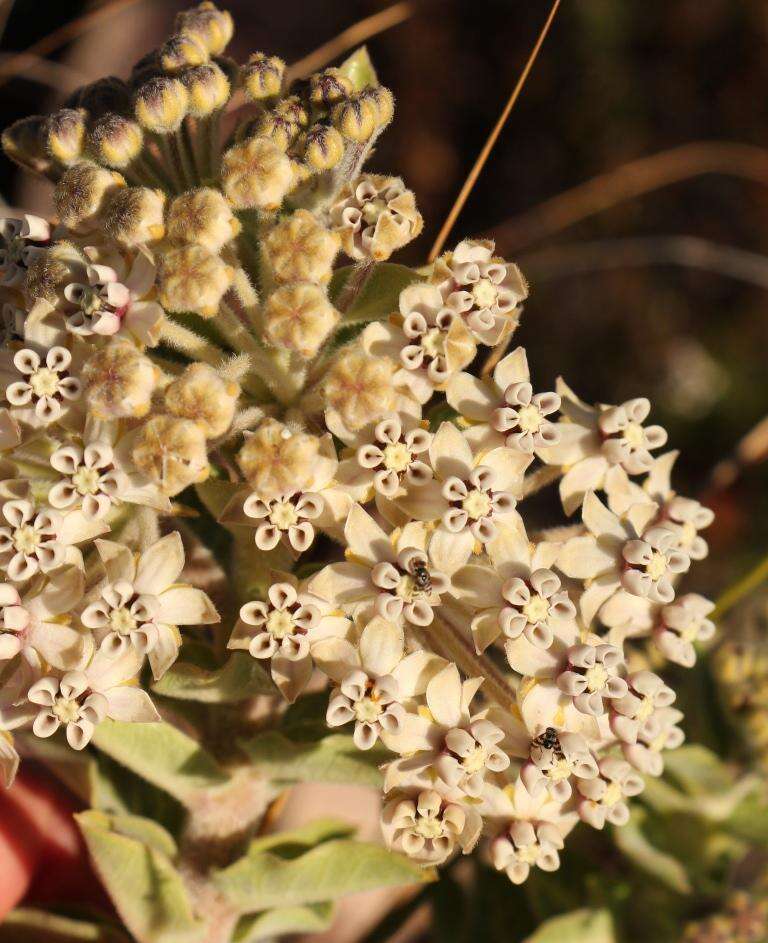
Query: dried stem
pixel 743 587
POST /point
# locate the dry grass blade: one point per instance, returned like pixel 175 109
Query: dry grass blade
pixel 482 157
pixel 61 78
pixel 631 180
pixel 16 64
pixel 352 36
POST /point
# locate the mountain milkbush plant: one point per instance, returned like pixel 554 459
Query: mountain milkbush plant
pixel 246 465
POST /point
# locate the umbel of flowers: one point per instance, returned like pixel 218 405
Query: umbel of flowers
pixel 210 302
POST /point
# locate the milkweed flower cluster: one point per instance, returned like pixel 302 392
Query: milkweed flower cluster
pixel 183 318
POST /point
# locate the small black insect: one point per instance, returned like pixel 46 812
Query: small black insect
pixel 549 740
pixel 421 577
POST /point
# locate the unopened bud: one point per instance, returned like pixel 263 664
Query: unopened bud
pixel 383 103
pixel 202 395
pixel 329 87
pixel 256 174
pixel 360 388
pixel 193 279
pixel 115 140
pixel 161 104
pixel 355 118
pixel 182 51
pixel 208 88
pixel 24 144
pixel 82 194
pixel 212 26
pixel 171 452
pixel 135 216
pixel 276 461
pixel 119 381
pixel 323 147
pixel 280 129
pixel 301 249
pixel 104 95
pixel 65 134
pixel 202 216
pixel 48 273
pixel 262 76
pixel 300 318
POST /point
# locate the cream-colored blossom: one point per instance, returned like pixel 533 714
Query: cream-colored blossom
pixel 39 388
pixel 375 216
pixel 21 241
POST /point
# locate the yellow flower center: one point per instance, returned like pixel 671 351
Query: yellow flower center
pixel 66 710
pixel 484 293
pixel 688 534
pixel 86 480
pixel 373 209
pixel 690 632
pixel 536 609
pixel 367 710
pixel 433 343
pixel 596 677
pixel 477 504
pixel 475 761
pixel 280 624
pixel 122 621
pixel 406 587
pixel 529 418
pixel 26 539
pixel 44 382
pixel 397 457
pixel 657 566
pixel 528 854
pixel 561 770
pixel 613 794
pixel 634 435
pixel 429 828
pixel 283 515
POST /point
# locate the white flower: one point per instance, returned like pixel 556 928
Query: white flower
pixel 681 624
pixel 591 676
pixel 602 798
pixel 21 240
pixel 483 289
pixel 46 389
pixel 637 709
pixel 284 628
pixel 90 479
pixel 657 734
pixel 137 607
pixel 427 827
pixel 505 410
pixel 375 215
pixel 554 759
pixel 30 540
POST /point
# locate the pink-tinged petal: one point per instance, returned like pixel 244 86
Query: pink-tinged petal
pixel 485 629
pixel 165 652
pixel 599 519
pixel 512 369
pixel 444 694
pixel 185 605
pixel 478 586
pixel 449 551
pixel 336 657
pixel 381 646
pixel 160 565
pixel 131 704
pixel 586 475
pixel 471 397
pixel 593 597
pixel 366 541
pixel 415 671
pixel 343 583
pixel 424 503
pixel 583 558
pixel 450 453
pixel 291 675
pixel 530 660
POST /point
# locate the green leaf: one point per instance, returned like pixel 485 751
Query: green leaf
pixel 117 790
pixel 25 925
pixel 331 870
pixel 378 296
pixel 144 830
pixel 334 759
pixel 283 920
pixel 632 841
pixel 216 494
pixel 579 926
pixel 698 771
pixel 291 843
pixel 144 886
pixel 162 755
pixel 359 69
pixel 239 678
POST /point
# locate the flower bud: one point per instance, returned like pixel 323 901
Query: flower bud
pixel 47 274
pixel 383 102
pixel 181 51
pixel 355 118
pixel 256 174
pixel 24 144
pixel 202 395
pixel 108 94
pixel 65 134
pixel 276 461
pixel 208 88
pixel 323 147
pixel 329 87
pixel 202 216
pixel 160 104
pixel 301 249
pixel 119 381
pixel 299 317
pixel 360 387
pixel 115 140
pixel 171 452
pixel 375 215
pixel 193 279
pixel 300 172
pixel 262 76
pixel 281 129
pixel 209 24
pixel 82 195
pixel 135 216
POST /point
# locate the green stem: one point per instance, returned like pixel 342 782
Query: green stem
pixel 742 588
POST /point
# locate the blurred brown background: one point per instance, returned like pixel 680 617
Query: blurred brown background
pixel 652 282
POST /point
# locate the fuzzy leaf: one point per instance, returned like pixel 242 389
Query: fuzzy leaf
pixel 636 846
pixel 25 925
pixel 261 881
pixel 359 69
pixel 162 755
pixel 334 759
pixel 380 294
pixel 295 841
pixel 239 678
pixel 283 920
pixel 579 926
pixel 144 886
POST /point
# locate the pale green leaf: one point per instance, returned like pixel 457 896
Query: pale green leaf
pixel 698 770
pixel 359 69
pixel 215 494
pixel 632 841
pixel 282 920
pixel 147 891
pixel 579 926
pixel 162 755
pixel 331 870
pixel 288 843
pixel 379 295
pixel 334 759
pixel 239 678
pixel 145 831
pixel 25 925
